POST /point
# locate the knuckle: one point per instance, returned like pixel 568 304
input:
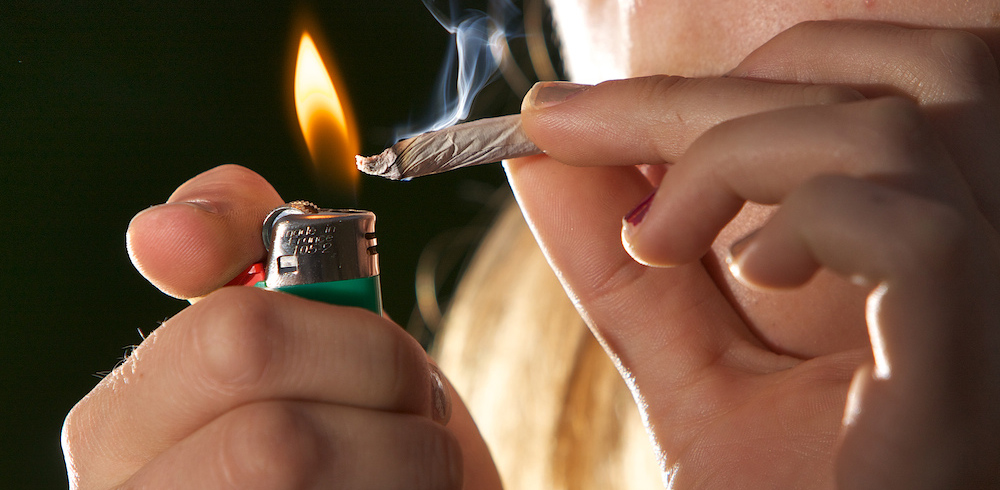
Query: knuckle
pixel 659 93
pixel 964 61
pixel 269 445
pixel 76 429
pixel 233 337
pixel 654 87
pixel 85 430
pixel 665 106
pixel 71 435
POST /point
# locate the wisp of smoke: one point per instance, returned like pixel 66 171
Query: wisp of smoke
pixel 471 62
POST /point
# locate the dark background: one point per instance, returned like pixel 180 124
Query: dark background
pixel 104 110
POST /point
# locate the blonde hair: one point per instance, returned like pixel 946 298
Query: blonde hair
pixel 546 398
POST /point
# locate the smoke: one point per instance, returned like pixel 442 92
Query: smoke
pixel 471 62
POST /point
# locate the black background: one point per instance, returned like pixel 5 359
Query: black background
pixel 105 109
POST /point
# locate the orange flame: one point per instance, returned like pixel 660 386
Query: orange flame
pixel 326 120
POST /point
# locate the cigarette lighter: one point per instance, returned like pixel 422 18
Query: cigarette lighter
pixel 325 255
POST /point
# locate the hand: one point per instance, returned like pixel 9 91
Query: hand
pixel 865 153
pixel 257 389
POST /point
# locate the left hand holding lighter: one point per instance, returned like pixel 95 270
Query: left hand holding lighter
pixel 255 389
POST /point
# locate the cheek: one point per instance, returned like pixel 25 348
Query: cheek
pixel 710 37
pixel 593 36
pixel 823 317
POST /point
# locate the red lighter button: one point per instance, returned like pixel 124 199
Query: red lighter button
pixel 249 277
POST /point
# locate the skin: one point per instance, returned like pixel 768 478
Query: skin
pixel 851 342
pixel 877 145
pixel 252 389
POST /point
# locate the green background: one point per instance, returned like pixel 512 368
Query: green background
pixel 106 108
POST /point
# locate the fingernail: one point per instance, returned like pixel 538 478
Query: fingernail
pixel 736 250
pixel 441 400
pixel 203 205
pixel 852 409
pixel 629 224
pixel 635 216
pixel 548 94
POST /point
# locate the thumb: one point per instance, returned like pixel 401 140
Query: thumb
pixel 660 326
pixel 205 234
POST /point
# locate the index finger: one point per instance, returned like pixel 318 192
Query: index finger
pixel 239 346
pixel 651 120
pixel 206 233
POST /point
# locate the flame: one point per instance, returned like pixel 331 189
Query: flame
pixel 327 125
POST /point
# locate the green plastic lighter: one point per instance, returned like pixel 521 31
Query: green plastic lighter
pixel 325 255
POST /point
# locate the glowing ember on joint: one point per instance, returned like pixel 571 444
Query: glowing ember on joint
pixel 324 117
